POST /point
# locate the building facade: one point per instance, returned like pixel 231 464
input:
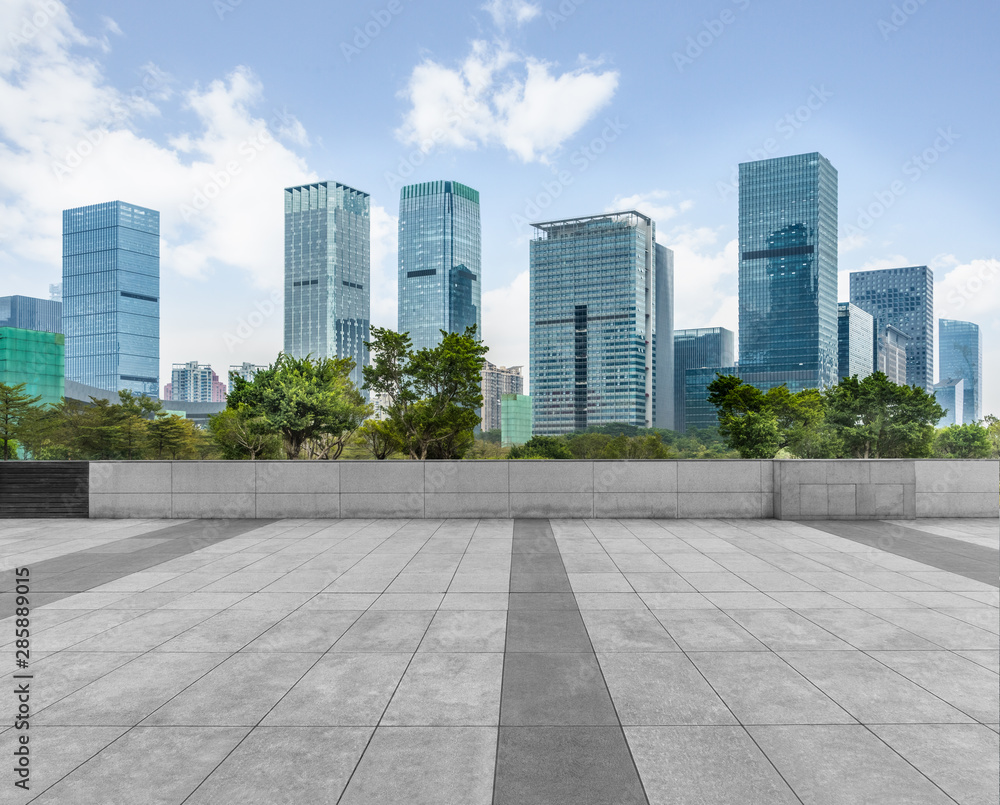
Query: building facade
pixel 664 409
pixel 694 349
pixel 904 298
pixel 497 381
pixel 30 313
pixel 36 358
pixel 440 263
pixel 328 273
pixel 194 382
pixel 515 419
pixel 855 339
pixel 246 370
pixel 890 354
pixel 961 357
pixel 594 323
pixel 788 272
pixel 111 296
pixel 950 395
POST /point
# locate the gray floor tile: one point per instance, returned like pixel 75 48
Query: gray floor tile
pixel 430 766
pixel 341 690
pixel 761 688
pixel 546 630
pixel 704 766
pixel 286 764
pixel 783 630
pixel 230 630
pixel 305 631
pixel 542 601
pixel 565 766
pixel 865 631
pixel 661 689
pixel 626 630
pixel 457 600
pixel 555 690
pixel 940 629
pixel 658 583
pixel 147 765
pixel 68 671
pixel 448 690
pixel 844 765
pixel 468 630
pixel 719 582
pixel 385 631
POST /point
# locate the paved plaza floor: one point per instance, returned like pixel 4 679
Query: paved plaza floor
pixel 504 661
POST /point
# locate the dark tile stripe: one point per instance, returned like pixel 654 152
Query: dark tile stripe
pixel 963 558
pixel 560 741
pixel 62 576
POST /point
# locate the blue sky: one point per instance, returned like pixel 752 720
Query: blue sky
pixel 206 110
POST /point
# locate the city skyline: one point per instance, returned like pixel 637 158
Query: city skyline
pixel 209 127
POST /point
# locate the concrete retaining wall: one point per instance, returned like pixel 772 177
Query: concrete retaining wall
pixel 791 490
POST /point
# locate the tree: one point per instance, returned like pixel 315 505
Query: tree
pixel 963 441
pixel 758 424
pixel 542 447
pixel 380 438
pixel 434 394
pixel 15 405
pixel 312 403
pixel 875 418
pixel 240 434
pixel 992 425
pixel 170 436
pixel 637 447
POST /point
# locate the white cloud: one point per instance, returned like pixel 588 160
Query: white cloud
pixel 652 204
pixel 384 268
pixel 517 12
pixel 505 323
pixel 500 98
pixel 705 277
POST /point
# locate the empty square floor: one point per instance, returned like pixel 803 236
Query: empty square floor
pixel 503 661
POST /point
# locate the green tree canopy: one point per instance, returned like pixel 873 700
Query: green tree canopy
pixel 963 441
pixel 15 406
pixel 542 447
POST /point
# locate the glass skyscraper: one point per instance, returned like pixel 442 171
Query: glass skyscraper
pixel 903 298
pixel 29 313
pixel 788 272
pixel 597 321
pixel 961 357
pixel 440 265
pixel 111 296
pixel 856 340
pixel 694 349
pixel 327 273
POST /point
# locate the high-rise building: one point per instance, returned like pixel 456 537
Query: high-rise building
pixel 693 349
pixel 515 419
pixel 497 381
pixel 950 395
pixel 328 273
pixel 55 292
pixel 664 410
pixel 35 358
pixel 596 323
pixel 440 264
pixel 29 313
pixel 961 356
pixel 856 339
pixel 111 296
pixel 194 382
pixel 904 298
pixel 788 272
pixel 890 354
pixel 246 370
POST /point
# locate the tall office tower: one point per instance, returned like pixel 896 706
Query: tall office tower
pixel 904 298
pixel 596 322
pixel 950 395
pixel 496 381
pixel 694 349
pixel 788 272
pixel 961 356
pixel 111 296
pixel 515 419
pixel 35 358
pixel 194 382
pixel 246 370
pixel 890 354
pixel 440 279
pixel 664 410
pixel 29 313
pixel 855 338
pixel 327 273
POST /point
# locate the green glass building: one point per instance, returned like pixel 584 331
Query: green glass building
pixel 440 274
pixel 515 419
pixel 35 358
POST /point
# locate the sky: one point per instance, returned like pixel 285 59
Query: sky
pixel 206 109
